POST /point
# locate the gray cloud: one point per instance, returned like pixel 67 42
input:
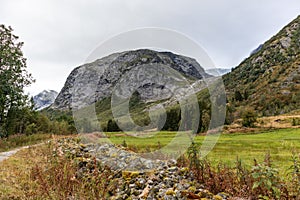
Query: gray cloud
pixel 59 34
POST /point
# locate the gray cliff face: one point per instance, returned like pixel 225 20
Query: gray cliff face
pixel 44 99
pixel 155 75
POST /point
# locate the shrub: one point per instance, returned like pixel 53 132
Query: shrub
pixel 294 173
pixel 262 182
pixel 31 129
pixel 124 144
pixel 249 118
pixel 266 181
pixel 295 122
pixel 238 96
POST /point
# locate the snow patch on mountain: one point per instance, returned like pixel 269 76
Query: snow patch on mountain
pixel 44 99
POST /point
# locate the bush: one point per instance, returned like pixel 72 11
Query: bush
pixel 266 181
pixel 238 96
pixel 295 122
pixel 262 182
pixel 294 173
pixel 31 129
pixel 249 118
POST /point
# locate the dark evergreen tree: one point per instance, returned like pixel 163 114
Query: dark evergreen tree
pixel 203 107
pixel 190 118
pixel 173 119
pixel 112 126
pixel 238 96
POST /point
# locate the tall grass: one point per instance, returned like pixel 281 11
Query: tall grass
pixel 262 181
pixel 65 177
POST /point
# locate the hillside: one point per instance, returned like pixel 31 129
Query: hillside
pixel 269 80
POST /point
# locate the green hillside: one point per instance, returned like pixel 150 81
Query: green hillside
pixel 269 80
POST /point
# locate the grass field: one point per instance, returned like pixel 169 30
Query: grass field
pixel 279 143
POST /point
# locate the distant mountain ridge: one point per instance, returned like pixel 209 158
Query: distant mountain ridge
pixel 44 99
pixel 217 71
pixel 256 50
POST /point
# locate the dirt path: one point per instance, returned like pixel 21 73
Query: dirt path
pixel 7 154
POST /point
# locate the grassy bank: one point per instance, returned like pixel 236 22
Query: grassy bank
pixel 15 141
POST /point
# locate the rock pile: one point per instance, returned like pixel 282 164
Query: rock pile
pixel 150 179
pixel 169 183
pixel 118 158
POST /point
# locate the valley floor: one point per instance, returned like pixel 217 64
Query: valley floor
pixel 17 172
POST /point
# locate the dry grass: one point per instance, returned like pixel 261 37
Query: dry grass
pixel 265 123
pixel 15 141
pixel 15 173
pixel 40 173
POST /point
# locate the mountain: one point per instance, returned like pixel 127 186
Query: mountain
pixel 269 80
pixel 153 74
pixel 217 71
pixel 256 50
pixel 44 99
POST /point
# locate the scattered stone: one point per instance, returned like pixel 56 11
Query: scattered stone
pixel 164 180
pixel 285 42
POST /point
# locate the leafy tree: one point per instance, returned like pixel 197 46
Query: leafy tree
pixel 43 122
pixel 31 129
pixel 249 118
pixel 13 78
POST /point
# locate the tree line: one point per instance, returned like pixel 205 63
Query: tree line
pixel 17 114
pixel 176 119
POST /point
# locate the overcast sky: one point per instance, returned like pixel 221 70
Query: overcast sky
pixel 59 35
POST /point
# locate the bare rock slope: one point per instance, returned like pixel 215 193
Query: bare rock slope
pixel 153 74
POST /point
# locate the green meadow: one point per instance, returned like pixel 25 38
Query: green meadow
pixel 280 144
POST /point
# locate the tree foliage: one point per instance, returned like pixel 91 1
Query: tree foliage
pixel 13 78
pixel 249 118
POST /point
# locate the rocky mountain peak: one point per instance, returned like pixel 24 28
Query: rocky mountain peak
pixel 94 81
pixel 44 99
